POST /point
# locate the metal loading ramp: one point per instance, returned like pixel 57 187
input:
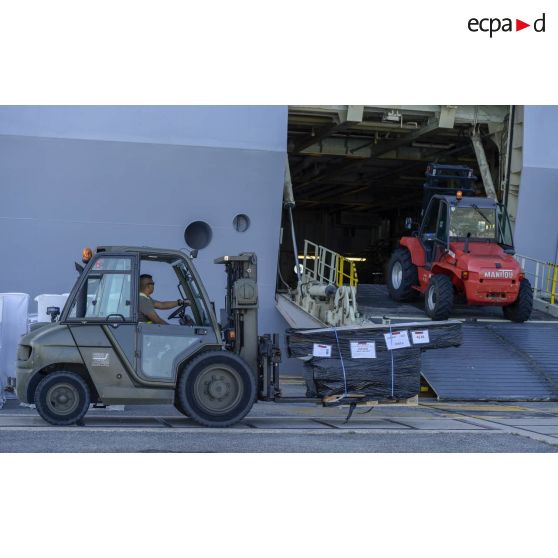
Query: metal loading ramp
pixel 497 361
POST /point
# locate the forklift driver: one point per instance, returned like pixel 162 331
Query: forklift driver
pixel 147 305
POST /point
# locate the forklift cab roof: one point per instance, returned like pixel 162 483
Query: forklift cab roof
pixel 155 254
pixel 469 201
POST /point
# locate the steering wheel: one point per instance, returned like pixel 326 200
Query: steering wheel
pixel 183 318
pixel 178 313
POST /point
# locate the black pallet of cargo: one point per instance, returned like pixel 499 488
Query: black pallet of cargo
pixel 381 373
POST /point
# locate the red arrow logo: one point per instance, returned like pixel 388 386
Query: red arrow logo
pixel 519 25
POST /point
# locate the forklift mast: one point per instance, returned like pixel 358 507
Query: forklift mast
pixel 447 180
pixel 240 319
pixel 239 322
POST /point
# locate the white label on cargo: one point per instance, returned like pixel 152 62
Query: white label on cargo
pixel 420 337
pixel 397 340
pixel 321 350
pixel 363 349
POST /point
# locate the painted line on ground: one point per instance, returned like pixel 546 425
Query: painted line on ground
pixel 253 431
pixel 499 427
pixel 476 407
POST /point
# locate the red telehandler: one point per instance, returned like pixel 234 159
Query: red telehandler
pixel 464 246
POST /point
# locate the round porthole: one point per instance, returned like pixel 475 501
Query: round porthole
pixel 198 235
pixel 241 222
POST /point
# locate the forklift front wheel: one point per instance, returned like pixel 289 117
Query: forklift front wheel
pixel 216 389
pixel 438 299
pixel 520 310
pixel 62 398
pixel 402 276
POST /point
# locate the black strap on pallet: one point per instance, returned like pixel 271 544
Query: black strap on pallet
pixel 352 407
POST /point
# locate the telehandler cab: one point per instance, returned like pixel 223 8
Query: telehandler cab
pixel 98 352
pixel 464 246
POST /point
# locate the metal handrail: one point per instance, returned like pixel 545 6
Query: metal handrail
pixel 543 277
pixel 351 276
pixel 327 266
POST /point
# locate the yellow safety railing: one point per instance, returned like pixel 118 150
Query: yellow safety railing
pixel 551 279
pixel 342 274
pixel 543 277
pixel 326 266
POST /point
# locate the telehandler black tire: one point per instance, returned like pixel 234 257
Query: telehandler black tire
pixel 401 276
pixel 438 299
pixel 216 389
pixel 62 398
pixel 520 310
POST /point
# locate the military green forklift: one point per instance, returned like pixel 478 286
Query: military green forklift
pixel 96 351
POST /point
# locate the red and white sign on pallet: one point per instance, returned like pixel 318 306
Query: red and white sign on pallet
pixel 397 340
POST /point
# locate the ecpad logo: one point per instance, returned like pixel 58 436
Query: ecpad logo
pixel 494 24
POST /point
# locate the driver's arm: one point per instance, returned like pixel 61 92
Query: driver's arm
pixel 168 304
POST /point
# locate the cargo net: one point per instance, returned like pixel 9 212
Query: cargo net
pixel 381 362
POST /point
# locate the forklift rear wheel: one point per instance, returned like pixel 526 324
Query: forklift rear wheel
pixel 179 407
pixel 438 299
pixel 62 398
pixel 216 389
pixel 402 275
pixel 520 310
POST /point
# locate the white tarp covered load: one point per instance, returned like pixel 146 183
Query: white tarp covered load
pixel 13 324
